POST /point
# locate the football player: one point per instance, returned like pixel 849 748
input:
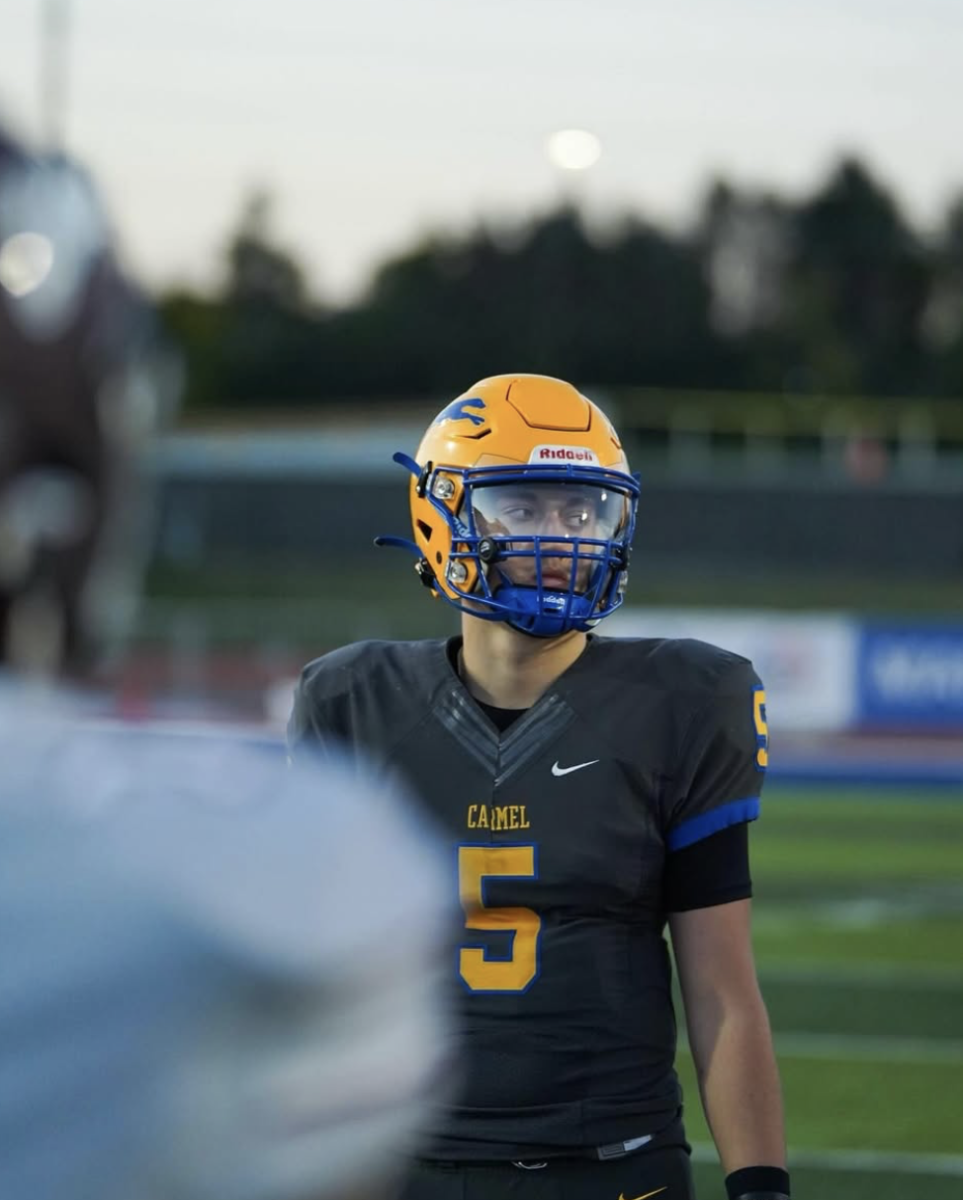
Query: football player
pixel 596 792
pixel 213 987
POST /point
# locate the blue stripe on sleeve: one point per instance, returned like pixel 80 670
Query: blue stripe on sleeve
pixel 705 824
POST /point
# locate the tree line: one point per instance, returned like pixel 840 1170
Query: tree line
pixel 835 293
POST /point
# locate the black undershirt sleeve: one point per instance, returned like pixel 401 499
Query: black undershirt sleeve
pixel 714 870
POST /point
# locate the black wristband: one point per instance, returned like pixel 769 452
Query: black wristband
pixel 758 1183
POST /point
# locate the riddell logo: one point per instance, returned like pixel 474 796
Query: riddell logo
pixel 563 454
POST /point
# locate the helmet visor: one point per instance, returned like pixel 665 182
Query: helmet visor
pixel 546 510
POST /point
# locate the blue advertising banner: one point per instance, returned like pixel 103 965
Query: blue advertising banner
pixel 910 676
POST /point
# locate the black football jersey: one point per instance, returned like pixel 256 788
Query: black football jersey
pixel 559 830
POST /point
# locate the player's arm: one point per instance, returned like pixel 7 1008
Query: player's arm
pixel 706 891
pixel 731 1042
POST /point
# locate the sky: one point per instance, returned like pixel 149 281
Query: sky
pixel 373 122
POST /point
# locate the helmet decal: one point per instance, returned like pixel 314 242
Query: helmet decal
pixel 457 411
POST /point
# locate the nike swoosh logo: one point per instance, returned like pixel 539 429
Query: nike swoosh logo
pixel 647 1194
pixel 557 770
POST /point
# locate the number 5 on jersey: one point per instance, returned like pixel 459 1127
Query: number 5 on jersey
pixel 762 728
pixel 478 968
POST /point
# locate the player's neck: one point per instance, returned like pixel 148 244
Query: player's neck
pixel 508 669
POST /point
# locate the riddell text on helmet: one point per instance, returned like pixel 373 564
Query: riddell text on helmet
pixel 575 454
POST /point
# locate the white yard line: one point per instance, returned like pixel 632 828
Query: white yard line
pixel 866 1048
pixel 896 1162
pixel 923 979
pixel 866 913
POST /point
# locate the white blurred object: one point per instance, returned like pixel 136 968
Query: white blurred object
pixel 278 700
pixel 573 149
pixel 53 232
pixel 26 260
pixel 807 661
pixel 224 977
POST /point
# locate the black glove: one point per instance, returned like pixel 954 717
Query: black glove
pixel 758 1183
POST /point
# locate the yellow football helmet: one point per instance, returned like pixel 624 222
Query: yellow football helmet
pixel 522 506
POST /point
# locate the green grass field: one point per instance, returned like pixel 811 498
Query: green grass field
pixel 859 942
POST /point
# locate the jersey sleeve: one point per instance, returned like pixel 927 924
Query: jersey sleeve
pixel 723 760
pixel 304 729
pixel 316 726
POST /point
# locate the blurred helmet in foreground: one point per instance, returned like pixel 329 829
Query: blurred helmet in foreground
pixel 522 506
pixel 83 382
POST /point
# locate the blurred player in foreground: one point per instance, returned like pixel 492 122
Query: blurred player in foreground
pixel 594 790
pixel 217 984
